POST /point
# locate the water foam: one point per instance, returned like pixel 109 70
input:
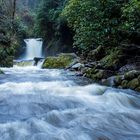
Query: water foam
pixel 58 108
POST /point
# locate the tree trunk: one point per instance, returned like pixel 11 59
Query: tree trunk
pixel 14 9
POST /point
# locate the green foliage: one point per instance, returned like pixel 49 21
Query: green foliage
pixel 130 27
pixel 11 34
pixel 131 16
pixel 95 23
pixel 47 20
pixel 80 15
pixel 101 22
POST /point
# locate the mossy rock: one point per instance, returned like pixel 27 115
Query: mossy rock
pixel 96 54
pixel 139 78
pixel 113 60
pixel 118 80
pixel 131 75
pixel 124 84
pixel 100 74
pixel 133 83
pixel 97 74
pixel 91 71
pixel 138 89
pixel 62 61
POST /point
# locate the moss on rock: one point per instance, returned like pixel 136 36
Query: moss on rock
pixel 118 80
pixel 96 54
pixel 97 74
pixel 124 84
pixel 131 74
pixel 139 78
pixel 133 83
pixel 138 89
pixel 62 61
pixel 113 60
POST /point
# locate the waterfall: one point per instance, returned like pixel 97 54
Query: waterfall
pixel 33 48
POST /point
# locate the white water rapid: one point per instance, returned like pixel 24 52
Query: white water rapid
pixel 37 104
pixel 33 48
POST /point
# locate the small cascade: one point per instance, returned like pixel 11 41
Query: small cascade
pixel 40 63
pixel 33 54
pixel 33 48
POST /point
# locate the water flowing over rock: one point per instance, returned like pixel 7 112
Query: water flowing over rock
pixel 44 104
pixel 33 48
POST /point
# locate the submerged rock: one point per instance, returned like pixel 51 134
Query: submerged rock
pixel 1 72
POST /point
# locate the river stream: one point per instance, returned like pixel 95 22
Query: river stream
pixel 38 104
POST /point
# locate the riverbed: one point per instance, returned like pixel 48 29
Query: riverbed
pixel 52 104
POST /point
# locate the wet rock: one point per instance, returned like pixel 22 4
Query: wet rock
pixel 36 60
pixel 77 66
pixel 118 80
pixel 75 61
pixel 131 74
pixel 124 84
pixel 97 74
pixel 139 78
pixel 79 74
pixel 91 64
pixel 128 67
pixel 138 89
pixel 133 83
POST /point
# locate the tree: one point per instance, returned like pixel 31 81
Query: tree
pixel 14 9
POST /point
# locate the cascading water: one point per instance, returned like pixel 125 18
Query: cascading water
pixel 50 104
pixel 33 48
pixel 33 51
pixel 39 104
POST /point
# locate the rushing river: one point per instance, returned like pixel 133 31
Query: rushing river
pixel 38 104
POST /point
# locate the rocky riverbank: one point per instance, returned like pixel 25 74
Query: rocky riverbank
pixel 111 68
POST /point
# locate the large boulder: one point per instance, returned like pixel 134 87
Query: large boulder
pixel 131 74
pixel 61 61
pixel 98 74
pixel 133 84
